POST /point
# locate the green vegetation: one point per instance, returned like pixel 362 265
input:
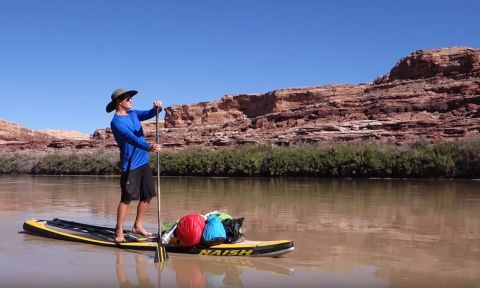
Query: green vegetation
pixel 459 159
pixel 61 163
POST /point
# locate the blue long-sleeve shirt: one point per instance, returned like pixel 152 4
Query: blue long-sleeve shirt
pixel 128 133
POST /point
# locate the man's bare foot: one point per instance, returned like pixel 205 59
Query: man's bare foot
pixel 119 239
pixel 141 231
pixel 119 236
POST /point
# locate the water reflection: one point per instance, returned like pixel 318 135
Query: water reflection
pixel 193 271
pixel 197 271
pixel 205 274
pixel 141 271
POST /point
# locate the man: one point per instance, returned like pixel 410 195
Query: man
pixel 136 181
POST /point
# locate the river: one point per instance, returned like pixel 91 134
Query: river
pixel 347 233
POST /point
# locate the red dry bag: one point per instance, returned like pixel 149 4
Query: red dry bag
pixel 190 229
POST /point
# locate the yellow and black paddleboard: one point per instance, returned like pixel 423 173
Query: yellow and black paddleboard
pixel 104 236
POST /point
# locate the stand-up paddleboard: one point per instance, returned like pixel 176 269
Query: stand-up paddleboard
pixel 104 236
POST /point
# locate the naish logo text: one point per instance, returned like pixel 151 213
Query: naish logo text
pixel 226 252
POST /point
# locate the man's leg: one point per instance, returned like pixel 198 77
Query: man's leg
pixel 141 210
pixel 121 214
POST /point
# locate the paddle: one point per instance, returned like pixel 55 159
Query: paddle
pixel 160 253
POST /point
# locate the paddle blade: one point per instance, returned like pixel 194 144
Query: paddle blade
pixel 160 254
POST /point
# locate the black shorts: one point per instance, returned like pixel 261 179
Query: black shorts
pixel 137 184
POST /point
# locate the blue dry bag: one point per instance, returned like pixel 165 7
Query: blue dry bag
pixel 214 232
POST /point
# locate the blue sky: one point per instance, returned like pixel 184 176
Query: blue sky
pixel 61 60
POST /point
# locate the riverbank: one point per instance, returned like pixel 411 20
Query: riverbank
pixel 458 159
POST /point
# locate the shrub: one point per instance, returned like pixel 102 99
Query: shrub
pixel 460 159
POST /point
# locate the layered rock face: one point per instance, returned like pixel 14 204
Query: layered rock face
pixel 11 133
pixel 430 95
pixel 449 62
pixel 14 137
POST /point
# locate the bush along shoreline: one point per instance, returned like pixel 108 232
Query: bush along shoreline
pixel 459 159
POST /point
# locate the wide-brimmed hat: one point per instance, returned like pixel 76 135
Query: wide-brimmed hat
pixel 119 94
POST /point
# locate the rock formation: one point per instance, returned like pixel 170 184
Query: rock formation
pixel 430 95
pixel 14 136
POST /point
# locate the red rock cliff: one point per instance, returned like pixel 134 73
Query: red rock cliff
pixel 431 95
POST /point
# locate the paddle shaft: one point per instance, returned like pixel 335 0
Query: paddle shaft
pixel 160 253
pixel 158 178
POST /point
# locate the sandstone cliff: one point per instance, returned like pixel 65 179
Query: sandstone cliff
pixel 12 134
pixel 430 95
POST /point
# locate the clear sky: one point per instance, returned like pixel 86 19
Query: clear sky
pixel 60 60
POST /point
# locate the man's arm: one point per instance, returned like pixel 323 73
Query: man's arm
pixel 130 138
pixel 147 114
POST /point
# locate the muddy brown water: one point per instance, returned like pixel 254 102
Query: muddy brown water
pixel 347 233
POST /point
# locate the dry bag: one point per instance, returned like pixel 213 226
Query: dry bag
pixel 214 232
pixel 190 228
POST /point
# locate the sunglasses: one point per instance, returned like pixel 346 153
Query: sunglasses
pixel 128 99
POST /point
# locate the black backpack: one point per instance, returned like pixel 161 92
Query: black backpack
pixel 232 227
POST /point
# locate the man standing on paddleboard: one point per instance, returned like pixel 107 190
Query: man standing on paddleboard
pixel 136 181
